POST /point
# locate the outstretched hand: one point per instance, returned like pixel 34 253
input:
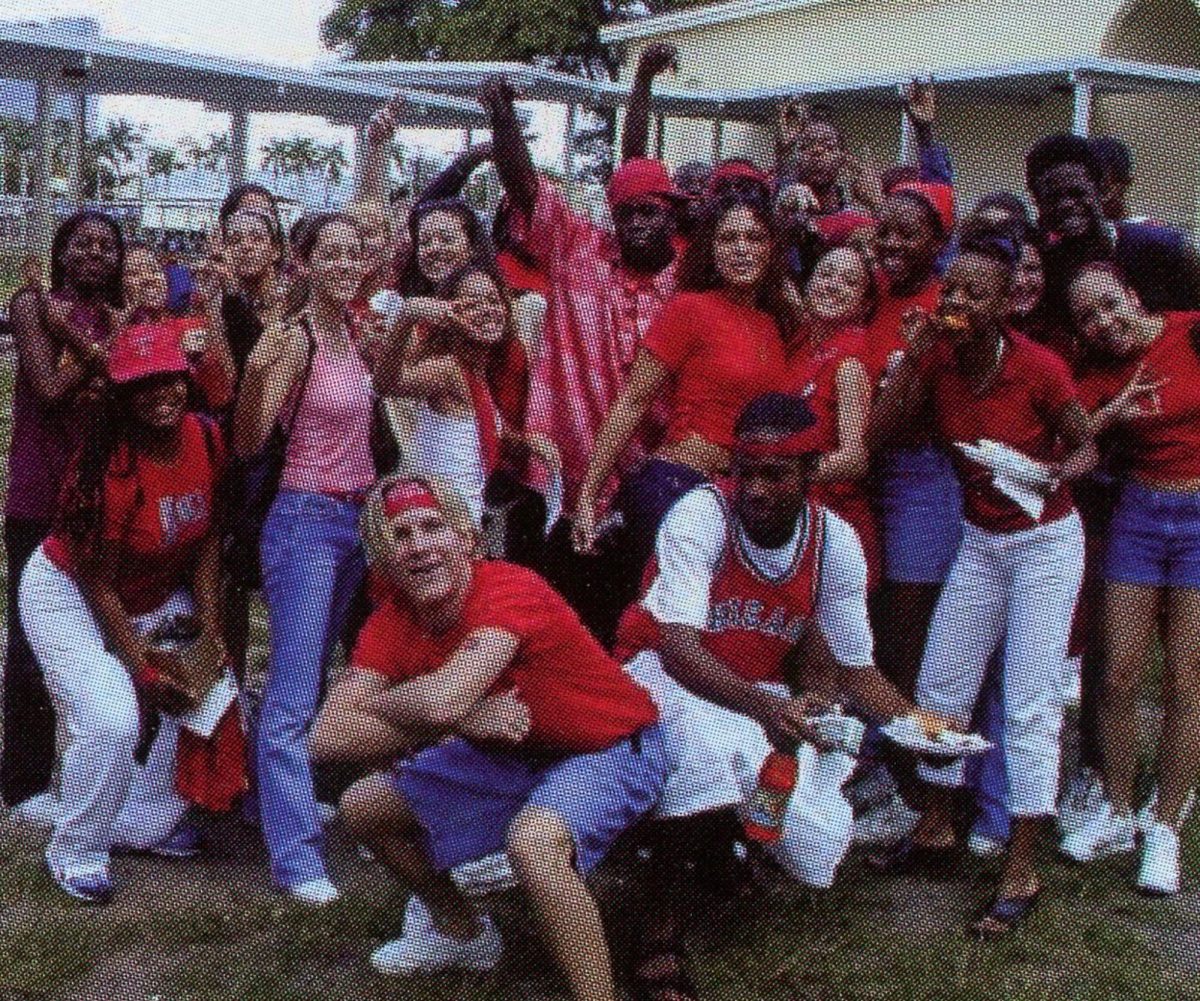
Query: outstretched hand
pixel 658 58
pixel 920 103
pixel 383 124
pixel 497 95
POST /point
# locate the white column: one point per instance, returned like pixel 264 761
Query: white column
pixel 41 223
pixel 1081 119
pixel 75 141
pixel 239 138
pixel 907 139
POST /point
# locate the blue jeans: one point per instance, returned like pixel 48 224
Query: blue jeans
pixel 313 564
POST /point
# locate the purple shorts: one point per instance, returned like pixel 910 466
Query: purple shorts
pixel 466 797
pixel 1154 538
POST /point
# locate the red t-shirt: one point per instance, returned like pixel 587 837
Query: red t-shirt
pixel 157 515
pixel 721 356
pixel 1162 446
pixel 579 698
pixel 885 342
pixel 1020 408
pixel 812 373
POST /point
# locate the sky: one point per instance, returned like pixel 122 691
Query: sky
pixel 265 31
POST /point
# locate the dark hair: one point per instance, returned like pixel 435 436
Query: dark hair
pixel 232 203
pixel 306 241
pixel 299 228
pixel 872 293
pixel 931 214
pixel 1104 267
pixel 697 268
pixel 415 283
pixel 775 413
pixel 1011 204
pixel 1001 243
pixel 1114 156
pixel 112 292
pixel 271 223
pixel 1056 150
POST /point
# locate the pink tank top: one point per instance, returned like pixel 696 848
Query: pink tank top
pixel 329 447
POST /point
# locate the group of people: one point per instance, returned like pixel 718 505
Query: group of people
pixel 602 516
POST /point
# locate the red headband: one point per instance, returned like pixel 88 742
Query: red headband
pixel 408 495
pixel 807 442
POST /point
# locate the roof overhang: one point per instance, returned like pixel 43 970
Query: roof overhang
pixel 698 17
pixel 107 66
pixel 1021 81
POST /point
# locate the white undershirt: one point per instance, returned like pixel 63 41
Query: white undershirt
pixel 692 540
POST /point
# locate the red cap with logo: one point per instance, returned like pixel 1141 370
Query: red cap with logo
pixel 641 178
pixel 732 170
pixel 939 197
pixel 146 350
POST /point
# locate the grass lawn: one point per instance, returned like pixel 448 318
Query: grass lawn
pixel 211 929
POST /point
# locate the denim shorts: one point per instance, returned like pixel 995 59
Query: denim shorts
pixel 919 501
pixel 1154 539
pixel 466 797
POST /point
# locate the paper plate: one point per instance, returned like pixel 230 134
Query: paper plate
pixel 907 732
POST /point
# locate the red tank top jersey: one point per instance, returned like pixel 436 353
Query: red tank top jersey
pixel 753 620
pixel 812 373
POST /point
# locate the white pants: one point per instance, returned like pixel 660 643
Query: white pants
pixel 1017 590
pixel 714 756
pixel 105 798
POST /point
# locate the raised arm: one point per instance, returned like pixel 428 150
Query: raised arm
pixel 450 182
pixel 510 151
pixel 277 361
pixel 655 59
pixel 372 185
pixel 919 100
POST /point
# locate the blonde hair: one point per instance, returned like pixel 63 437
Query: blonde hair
pixel 373 523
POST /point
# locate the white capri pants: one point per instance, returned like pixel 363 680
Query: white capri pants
pixel 1017 591
pixel 714 756
pixel 105 797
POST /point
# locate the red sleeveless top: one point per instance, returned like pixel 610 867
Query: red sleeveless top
pixel 753 619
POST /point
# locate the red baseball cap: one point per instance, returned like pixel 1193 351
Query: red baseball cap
pixel 642 178
pixel 732 169
pixel 939 197
pixel 146 350
pixel 836 228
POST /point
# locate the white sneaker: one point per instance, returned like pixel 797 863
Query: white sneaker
pixel 1104 833
pixel 424 949
pixel 1147 816
pixel 985 846
pixel 1159 874
pixel 885 824
pixel 36 811
pixel 1083 797
pixel 314 893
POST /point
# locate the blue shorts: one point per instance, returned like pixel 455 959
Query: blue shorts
pixel 919 501
pixel 466 797
pixel 1154 538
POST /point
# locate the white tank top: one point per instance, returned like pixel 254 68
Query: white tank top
pixel 448 447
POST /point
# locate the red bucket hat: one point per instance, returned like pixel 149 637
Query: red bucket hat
pixel 939 197
pixel 145 350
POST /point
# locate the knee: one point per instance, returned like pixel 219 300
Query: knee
pixel 1181 694
pixel 1121 684
pixel 539 842
pixel 371 808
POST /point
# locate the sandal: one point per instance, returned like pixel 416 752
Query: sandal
pixel 662 976
pixel 1002 915
pixel 907 856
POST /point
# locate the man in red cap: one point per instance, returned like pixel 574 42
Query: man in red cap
pixel 604 289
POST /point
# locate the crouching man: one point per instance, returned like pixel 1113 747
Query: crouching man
pixel 534 739
pixel 748 577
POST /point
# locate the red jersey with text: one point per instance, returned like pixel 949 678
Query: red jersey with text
pixel 753 620
pixel 156 515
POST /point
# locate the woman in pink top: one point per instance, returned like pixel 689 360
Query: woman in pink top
pixel 309 372
pixel 714 347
